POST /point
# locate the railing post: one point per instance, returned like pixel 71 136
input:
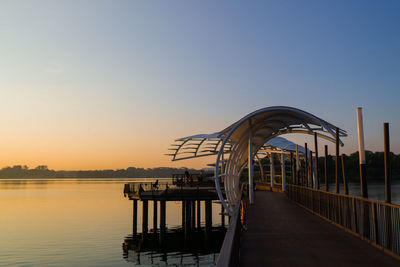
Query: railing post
pixel 375 223
pixel 355 216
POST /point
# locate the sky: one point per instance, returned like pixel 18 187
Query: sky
pixel 111 84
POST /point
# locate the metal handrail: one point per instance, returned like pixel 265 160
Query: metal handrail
pixel 374 221
pixel 229 253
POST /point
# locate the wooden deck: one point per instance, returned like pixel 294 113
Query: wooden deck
pixel 280 233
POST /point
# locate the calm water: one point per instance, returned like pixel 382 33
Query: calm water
pixel 84 222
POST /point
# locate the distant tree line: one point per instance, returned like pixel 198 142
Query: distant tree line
pixel 375 166
pixel 42 171
pixel 375 169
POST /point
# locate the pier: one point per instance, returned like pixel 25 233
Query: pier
pixel 290 218
pixel 190 196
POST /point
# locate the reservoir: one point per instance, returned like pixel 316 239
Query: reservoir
pixel 88 222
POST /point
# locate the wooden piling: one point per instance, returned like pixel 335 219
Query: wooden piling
pixel 145 216
pixel 388 194
pixel 187 223
pixel 208 215
pixel 193 214
pixel 134 224
pixel 198 214
pixel 163 215
pixel 155 213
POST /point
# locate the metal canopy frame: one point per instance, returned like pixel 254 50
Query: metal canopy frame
pixel 257 128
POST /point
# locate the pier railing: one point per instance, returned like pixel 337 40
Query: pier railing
pixel 138 187
pixel 374 221
pixel 229 254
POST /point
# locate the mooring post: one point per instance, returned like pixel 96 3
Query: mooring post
pixel 388 194
pixel 155 219
pixel 145 215
pixel 346 187
pixel 316 158
pixel 306 164
pixel 361 151
pixel 337 160
pixel 134 224
pixel 163 215
pixel 326 168
pixel 363 177
pixel 208 213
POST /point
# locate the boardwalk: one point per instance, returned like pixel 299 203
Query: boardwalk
pixel 280 233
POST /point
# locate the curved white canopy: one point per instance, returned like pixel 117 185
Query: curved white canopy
pixel 262 126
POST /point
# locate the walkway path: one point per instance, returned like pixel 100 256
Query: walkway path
pixel 280 233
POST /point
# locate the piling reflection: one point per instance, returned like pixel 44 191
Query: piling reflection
pixel 174 247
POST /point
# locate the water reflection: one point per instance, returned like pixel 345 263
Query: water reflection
pixel 173 248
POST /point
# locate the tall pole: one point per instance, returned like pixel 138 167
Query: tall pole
pixel 388 194
pixel 306 164
pixel 283 172
pixel 361 151
pixel 291 168
pixel 312 181
pixel 346 187
pixel 337 161
pixel 272 169
pixel 251 168
pixel 326 168
pixel 316 159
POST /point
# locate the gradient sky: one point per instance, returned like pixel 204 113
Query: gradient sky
pixel 110 84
